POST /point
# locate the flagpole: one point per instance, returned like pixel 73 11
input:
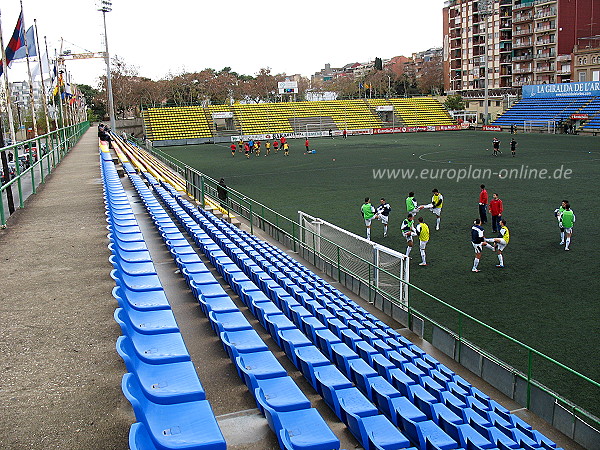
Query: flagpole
pixel 44 99
pixel 52 96
pixel 11 122
pixel 31 99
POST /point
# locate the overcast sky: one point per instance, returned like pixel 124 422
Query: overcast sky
pixel 162 37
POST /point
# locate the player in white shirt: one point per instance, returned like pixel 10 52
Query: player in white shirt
pixel 383 213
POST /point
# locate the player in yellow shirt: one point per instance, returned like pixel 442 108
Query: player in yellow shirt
pixel 422 230
pixel 500 243
pixel 437 202
pixel 286 149
pixel 267 148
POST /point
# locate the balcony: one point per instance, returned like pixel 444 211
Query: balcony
pixel 523 44
pixel 527 70
pixel 522 6
pixel 522 32
pixel 522 18
pixel 541 43
pixel 545 55
pixel 547 27
pixel 563 58
pixel 527 57
pixel 564 71
pixel 543 14
pixel 544 69
pixel 521 82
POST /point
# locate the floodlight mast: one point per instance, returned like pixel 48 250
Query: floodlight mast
pixel 486 9
pixel 106 6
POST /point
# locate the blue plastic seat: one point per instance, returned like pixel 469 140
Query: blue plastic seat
pixel 142 301
pixel 146 322
pixel 324 340
pixel 359 372
pixel 307 358
pixel 228 321
pixel 352 401
pixel 217 304
pixel 258 365
pixel 341 355
pixel 242 341
pixel 302 429
pixel 281 394
pixel 292 339
pixel 187 425
pixel 327 379
pixel 158 348
pixel 276 322
pixel 162 383
pixel 376 432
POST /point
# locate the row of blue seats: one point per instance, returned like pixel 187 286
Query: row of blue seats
pixel 371 428
pixel 162 386
pixel 431 364
pixel 288 411
pixel 542 110
pixel 422 431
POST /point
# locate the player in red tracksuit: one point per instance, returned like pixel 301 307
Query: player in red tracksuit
pixel 233 146
pixel 483 204
pixel 496 209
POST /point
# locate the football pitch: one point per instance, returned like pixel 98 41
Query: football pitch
pixel 545 296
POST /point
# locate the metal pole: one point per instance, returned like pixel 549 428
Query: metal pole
pixel 111 104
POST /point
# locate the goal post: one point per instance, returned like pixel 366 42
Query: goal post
pixel 548 125
pixel 381 267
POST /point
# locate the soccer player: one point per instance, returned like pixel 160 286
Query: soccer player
pixel 233 147
pixel 477 239
pixel 267 148
pixel 306 145
pixel 558 213
pixel 286 149
pixel 275 145
pixel 496 209
pixel 437 202
pixel 500 243
pixel 422 230
pixel 257 148
pixel 383 212
pixel 368 212
pixel 513 147
pixel 411 204
pixel 240 145
pixel 408 231
pixel 247 150
pixel 567 220
pixel 483 201
pixel 496 145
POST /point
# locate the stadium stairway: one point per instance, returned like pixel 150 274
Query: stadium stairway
pixel 380 379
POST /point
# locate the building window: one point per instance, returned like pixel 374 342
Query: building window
pixel 581 77
pixel 595 75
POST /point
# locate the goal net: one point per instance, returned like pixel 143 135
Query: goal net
pixel 367 260
pixel 539 125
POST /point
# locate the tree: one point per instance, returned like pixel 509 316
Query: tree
pixel 96 109
pixel 431 80
pixel 454 103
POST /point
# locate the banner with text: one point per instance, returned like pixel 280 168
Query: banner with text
pixel 583 89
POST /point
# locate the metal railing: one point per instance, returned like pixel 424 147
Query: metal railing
pixel 33 160
pixel 519 358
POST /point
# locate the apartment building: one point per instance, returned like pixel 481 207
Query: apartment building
pixel 528 41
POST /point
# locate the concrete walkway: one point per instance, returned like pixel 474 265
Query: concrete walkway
pixel 60 371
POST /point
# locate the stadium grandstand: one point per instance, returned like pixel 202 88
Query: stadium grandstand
pixel 225 333
pixel 185 123
pixel 560 111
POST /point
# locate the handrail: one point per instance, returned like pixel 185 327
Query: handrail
pixel 50 149
pixel 252 206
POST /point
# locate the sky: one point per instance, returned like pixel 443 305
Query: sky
pixel 159 38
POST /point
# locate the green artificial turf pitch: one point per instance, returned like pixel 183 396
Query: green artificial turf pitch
pixel 546 297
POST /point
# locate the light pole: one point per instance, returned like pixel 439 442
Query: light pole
pixel 106 6
pixel 486 9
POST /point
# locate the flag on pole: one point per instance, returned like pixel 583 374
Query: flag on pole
pixel 16 42
pixel 21 52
